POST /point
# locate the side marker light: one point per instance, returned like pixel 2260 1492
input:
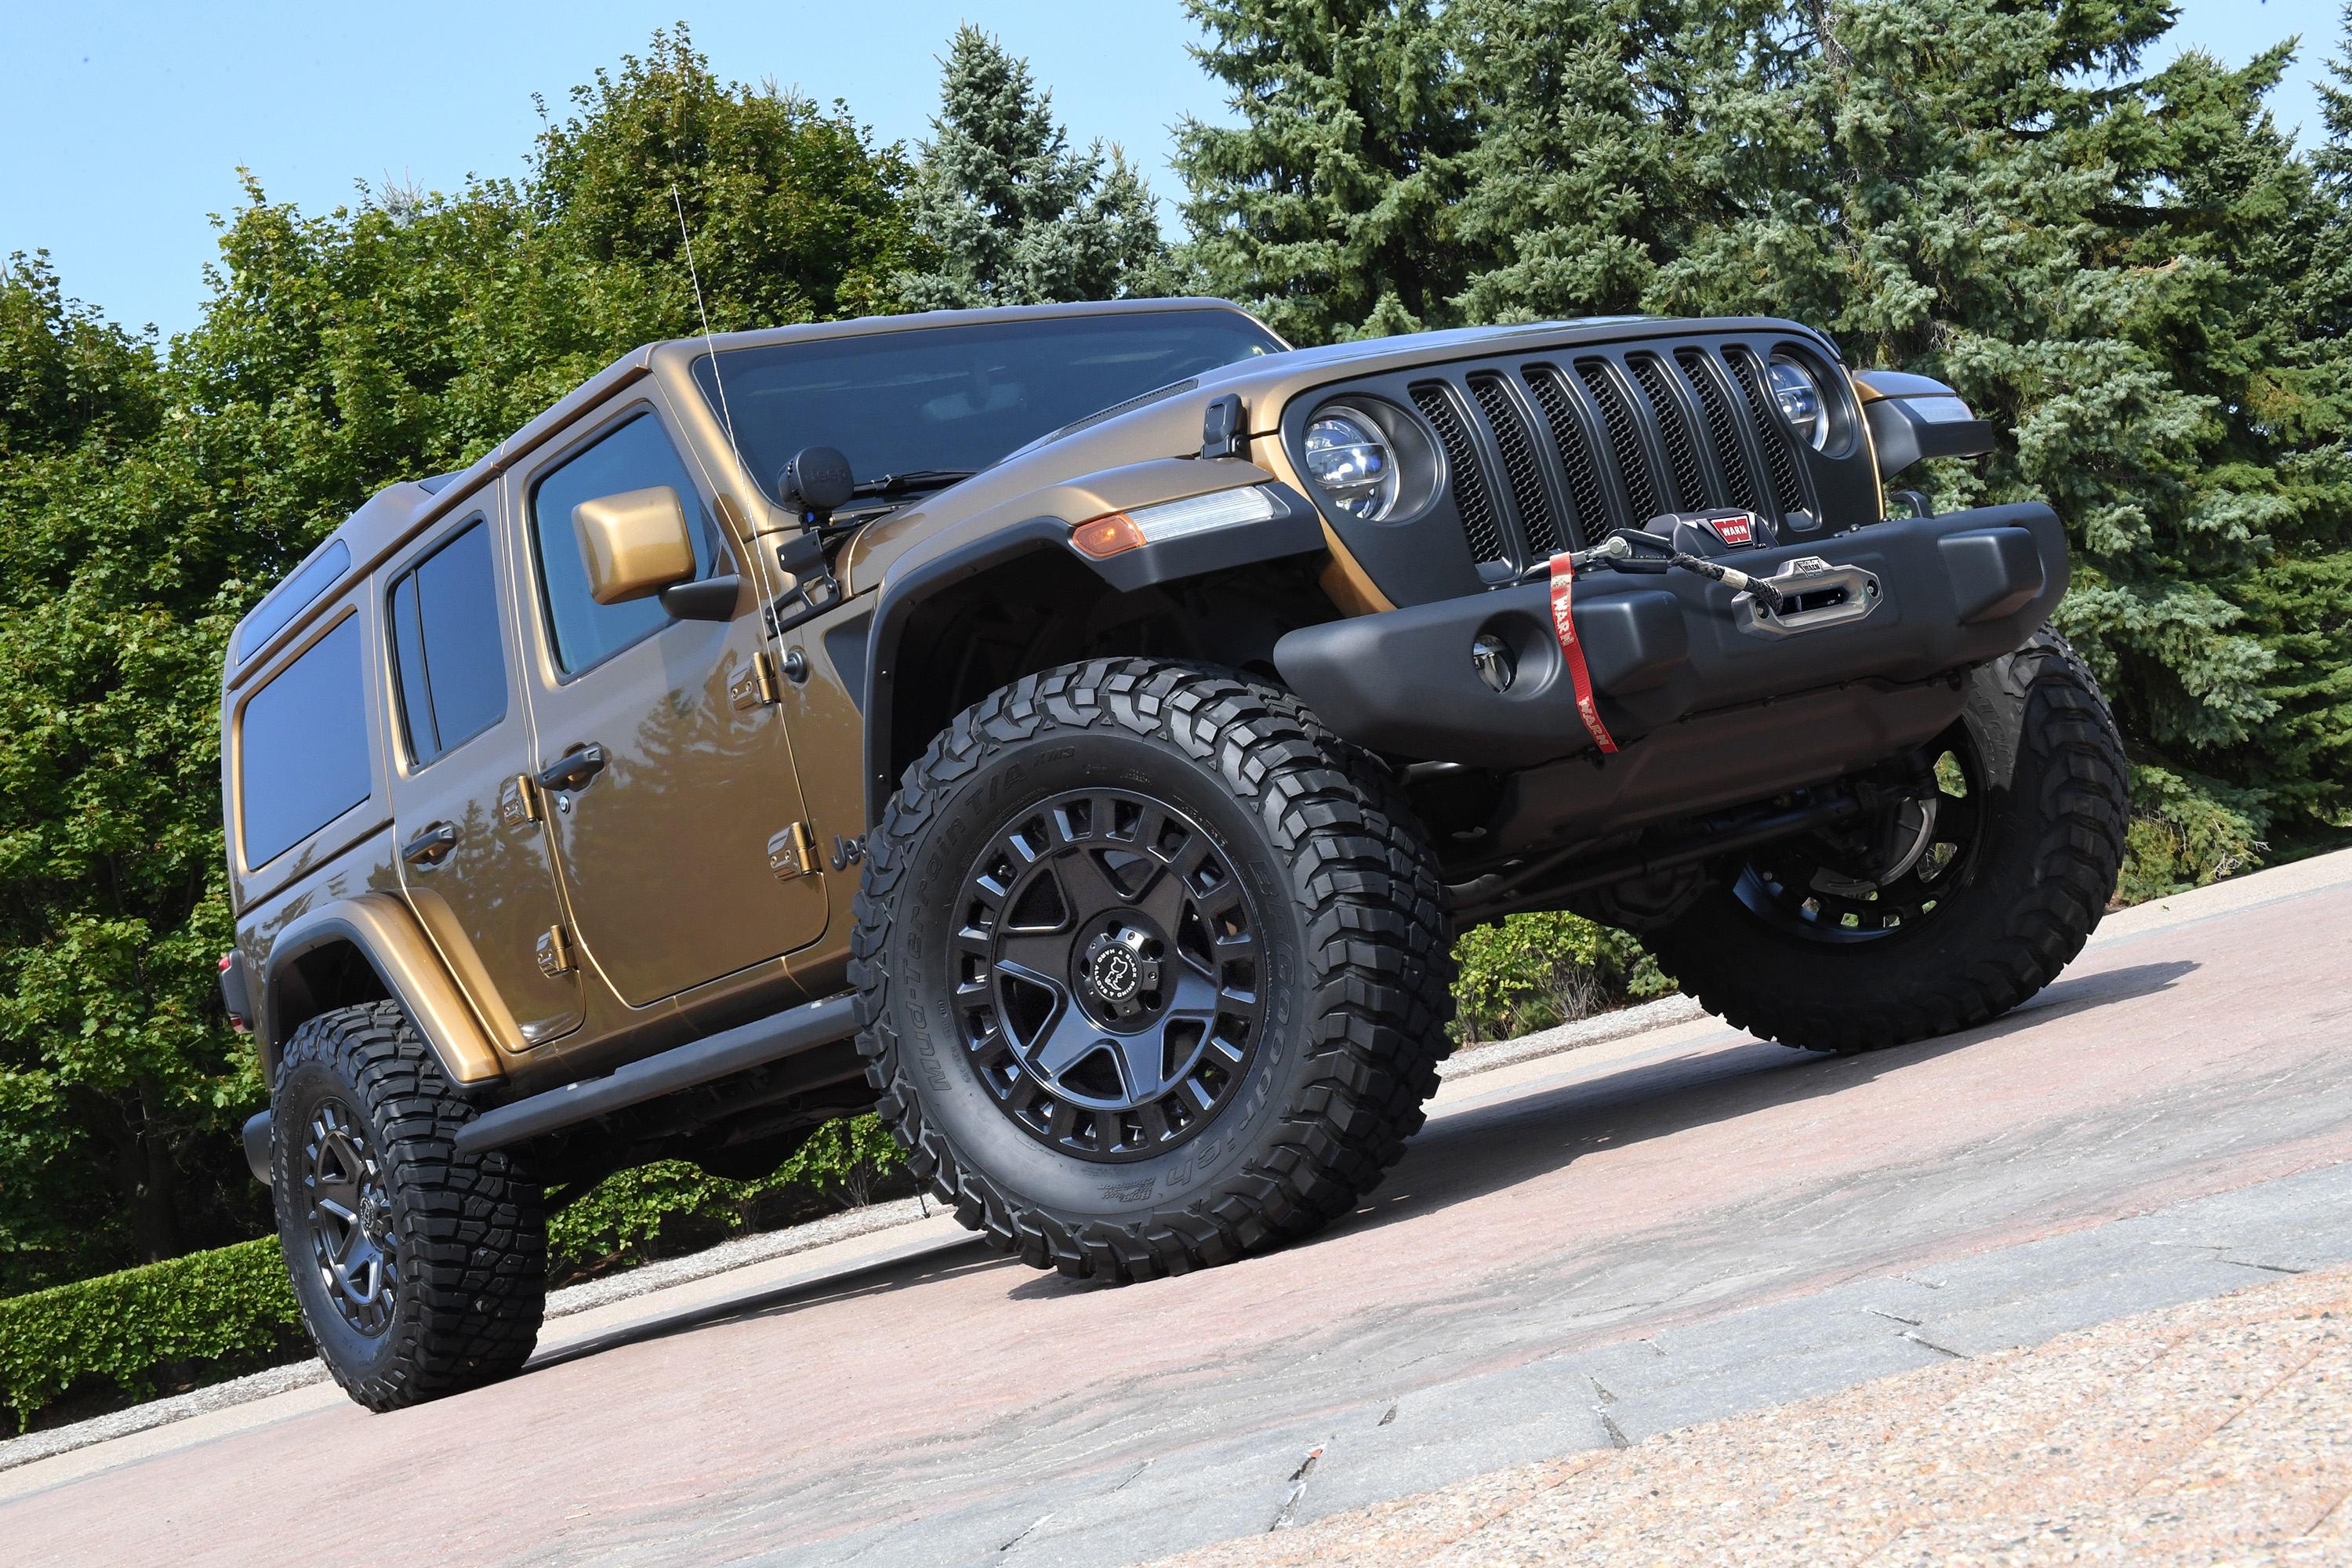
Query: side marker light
pixel 1106 536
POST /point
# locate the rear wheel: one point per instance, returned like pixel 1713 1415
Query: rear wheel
pixel 1152 969
pixel 1943 910
pixel 420 1271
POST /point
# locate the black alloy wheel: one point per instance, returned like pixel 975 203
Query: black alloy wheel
pixel 1107 980
pixel 1152 969
pixel 420 1271
pixel 1884 875
pixel 349 1218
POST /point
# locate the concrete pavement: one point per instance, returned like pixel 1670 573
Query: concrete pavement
pixel 1772 1225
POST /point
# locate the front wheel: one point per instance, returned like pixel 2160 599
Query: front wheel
pixel 1948 910
pixel 1151 969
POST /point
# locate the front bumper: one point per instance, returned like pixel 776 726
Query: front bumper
pixel 1667 653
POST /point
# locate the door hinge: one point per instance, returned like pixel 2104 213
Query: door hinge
pixel 519 801
pixel 757 687
pixel 792 852
pixel 555 953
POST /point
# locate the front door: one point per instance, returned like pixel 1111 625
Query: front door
pixel 666 809
pixel 475 859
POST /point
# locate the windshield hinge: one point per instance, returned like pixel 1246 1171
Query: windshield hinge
pixel 1221 427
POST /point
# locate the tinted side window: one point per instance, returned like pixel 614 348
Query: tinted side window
pixel 445 646
pixel 293 596
pixel 303 747
pixel 636 456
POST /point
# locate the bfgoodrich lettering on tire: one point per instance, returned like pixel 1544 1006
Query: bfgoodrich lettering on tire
pixel 420 1271
pixel 1151 969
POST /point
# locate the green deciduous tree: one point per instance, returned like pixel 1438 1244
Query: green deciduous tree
pixel 1007 214
pixel 146 501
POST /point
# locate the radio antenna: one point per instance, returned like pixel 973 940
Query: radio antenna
pixel 717 379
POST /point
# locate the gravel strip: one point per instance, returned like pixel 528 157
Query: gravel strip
pixel 1592 1031
pixel 2216 1432
pixel 155 1413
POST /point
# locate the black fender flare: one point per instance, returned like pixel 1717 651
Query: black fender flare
pixel 1297 529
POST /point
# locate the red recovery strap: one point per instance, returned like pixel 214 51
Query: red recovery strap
pixel 1563 584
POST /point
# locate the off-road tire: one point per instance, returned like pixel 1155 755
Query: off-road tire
pixel 2058 804
pixel 470 1231
pixel 1350 890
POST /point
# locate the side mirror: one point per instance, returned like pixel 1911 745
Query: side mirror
pixel 634 545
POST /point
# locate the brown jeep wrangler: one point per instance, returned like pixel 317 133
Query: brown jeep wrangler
pixel 1076 732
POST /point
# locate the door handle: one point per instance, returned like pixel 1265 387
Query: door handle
pixel 573 769
pixel 430 848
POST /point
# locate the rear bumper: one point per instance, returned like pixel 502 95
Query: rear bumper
pixel 1668 652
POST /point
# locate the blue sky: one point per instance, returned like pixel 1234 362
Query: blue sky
pixel 123 124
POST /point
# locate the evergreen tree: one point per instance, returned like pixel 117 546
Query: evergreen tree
pixel 1007 214
pixel 1572 192
pixel 2128 270
pixel 2105 262
pixel 1331 211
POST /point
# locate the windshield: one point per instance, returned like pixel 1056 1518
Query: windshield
pixel 960 397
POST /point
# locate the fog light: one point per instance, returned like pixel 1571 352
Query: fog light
pixel 1495 666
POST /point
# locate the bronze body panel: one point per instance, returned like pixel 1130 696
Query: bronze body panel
pixel 663 850
pixel 489 899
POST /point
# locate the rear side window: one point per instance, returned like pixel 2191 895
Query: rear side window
pixel 303 747
pixel 446 646
pixel 636 456
pixel 295 593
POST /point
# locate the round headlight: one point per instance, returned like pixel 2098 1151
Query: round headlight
pixel 1802 403
pixel 1350 463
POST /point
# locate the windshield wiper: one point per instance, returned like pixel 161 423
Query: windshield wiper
pixel 913 480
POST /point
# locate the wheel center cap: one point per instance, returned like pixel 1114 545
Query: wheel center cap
pixel 375 1217
pixel 1119 970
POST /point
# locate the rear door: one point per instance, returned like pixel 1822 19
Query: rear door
pixel 476 860
pixel 674 795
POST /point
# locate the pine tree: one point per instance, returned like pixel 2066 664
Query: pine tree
pixel 2126 269
pixel 2107 262
pixel 1008 215
pixel 1570 194
pixel 1330 211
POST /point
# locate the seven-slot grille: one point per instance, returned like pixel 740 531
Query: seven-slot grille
pixel 1548 455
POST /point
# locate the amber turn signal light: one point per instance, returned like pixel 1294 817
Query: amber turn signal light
pixel 1107 536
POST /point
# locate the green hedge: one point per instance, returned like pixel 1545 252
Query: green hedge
pixel 232 1302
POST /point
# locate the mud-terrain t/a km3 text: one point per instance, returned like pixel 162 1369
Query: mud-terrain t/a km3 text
pixel 1076 733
